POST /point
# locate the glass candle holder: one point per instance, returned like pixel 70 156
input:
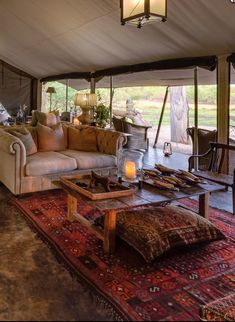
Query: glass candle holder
pixel 130 165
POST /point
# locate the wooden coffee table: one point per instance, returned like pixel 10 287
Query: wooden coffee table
pixel 147 196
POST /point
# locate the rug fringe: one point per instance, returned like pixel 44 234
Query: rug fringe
pixel 100 300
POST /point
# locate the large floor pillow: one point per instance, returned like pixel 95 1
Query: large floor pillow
pixel 220 310
pixel 153 231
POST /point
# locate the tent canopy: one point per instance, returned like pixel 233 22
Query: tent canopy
pixel 52 37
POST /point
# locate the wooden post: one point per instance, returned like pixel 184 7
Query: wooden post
pixel 161 117
pixel 223 98
pixel 43 98
pixel 67 94
pixel 204 205
pixel 92 85
pixel 195 145
pixel 110 231
pixel 36 95
pixel 72 208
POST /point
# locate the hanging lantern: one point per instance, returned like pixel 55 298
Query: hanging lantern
pixel 141 12
pixel 167 150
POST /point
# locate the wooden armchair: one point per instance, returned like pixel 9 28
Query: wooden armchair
pixel 214 173
pixel 139 133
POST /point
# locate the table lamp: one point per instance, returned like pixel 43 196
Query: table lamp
pixel 86 102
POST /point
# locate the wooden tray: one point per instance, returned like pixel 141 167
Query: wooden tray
pixel 97 193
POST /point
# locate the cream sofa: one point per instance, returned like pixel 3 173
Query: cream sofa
pixel 22 174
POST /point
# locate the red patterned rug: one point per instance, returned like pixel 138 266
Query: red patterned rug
pixel 172 288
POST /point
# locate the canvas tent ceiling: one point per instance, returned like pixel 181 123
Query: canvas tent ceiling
pixel 60 36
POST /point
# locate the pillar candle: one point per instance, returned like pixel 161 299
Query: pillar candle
pixel 130 170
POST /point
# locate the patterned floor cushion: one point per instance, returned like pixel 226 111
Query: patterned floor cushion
pixel 154 230
pixel 219 310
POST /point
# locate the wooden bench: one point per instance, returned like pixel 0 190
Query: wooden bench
pixel 217 153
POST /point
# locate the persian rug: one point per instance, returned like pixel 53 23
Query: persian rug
pixel 172 288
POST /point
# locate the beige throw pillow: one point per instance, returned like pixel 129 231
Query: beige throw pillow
pixel 25 136
pixel 83 139
pixel 50 138
pixel 47 119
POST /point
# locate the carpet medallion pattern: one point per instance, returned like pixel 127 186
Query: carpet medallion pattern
pixel 172 288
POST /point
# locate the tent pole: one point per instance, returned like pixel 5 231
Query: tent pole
pixel 195 145
pixel 223 102
pixel 50 101
pixel 111 101
pixel 161 117
pixel 67 94
pixel 92 90
pixel 92 85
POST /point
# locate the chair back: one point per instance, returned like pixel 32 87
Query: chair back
pixel 219 155
pixel 118 124
pixel 204 139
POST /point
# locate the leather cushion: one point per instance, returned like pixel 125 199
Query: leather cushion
pixel 47 119
pixel 50 138
pixel 82 138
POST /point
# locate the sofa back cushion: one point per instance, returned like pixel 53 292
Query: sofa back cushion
pixel 108 141
pixel 25 136
pixel 82 138
pixel 50 138
pixel 47 119
pixel 33 131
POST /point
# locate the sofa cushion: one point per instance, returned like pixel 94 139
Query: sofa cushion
pixel 47 119
pixel 33 131
pixel 108 141
pixel 154 230
pixel 26 138
pixel 90 160
pixel 82 138
pixel 43 163
pixel 50 138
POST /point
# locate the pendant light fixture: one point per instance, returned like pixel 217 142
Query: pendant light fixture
pixel 141 12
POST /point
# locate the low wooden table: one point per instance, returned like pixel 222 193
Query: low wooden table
pixel 147 196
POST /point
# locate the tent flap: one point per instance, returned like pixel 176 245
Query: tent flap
pixel 208 62
pixel 231 59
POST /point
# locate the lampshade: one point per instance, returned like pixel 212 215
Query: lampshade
pixel 51 90
pixel 85 100
pixel 140 12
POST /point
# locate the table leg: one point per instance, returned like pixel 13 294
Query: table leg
pixel 72 208
pixel 204 205
pixel 110 231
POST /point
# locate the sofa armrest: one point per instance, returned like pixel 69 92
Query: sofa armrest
pixel 109 141
pixel 11 144
pixel 13 160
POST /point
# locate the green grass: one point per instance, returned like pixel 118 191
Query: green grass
pixel 151 113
